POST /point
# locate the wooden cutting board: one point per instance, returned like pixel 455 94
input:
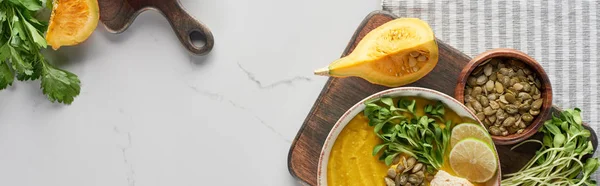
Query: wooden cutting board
pixel 339 94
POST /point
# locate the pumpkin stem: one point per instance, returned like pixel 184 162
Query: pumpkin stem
pixel 322 71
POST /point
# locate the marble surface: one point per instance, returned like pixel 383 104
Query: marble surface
pixel 150 114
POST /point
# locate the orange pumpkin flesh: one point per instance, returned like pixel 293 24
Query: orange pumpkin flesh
pixel 384 55
pixel 72 22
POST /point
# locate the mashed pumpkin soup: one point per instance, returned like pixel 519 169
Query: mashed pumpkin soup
pixel 351 161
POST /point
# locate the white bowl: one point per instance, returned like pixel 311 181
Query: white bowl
pixel 450 102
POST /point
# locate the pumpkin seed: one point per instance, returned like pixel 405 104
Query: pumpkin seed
pixel 534 112
pixel 472 81
pixel 492 118
pixel 512 130
pixel 389 182
pixel 493 77
pixel 524 96
pixel 506 81
pixel 484 101
pixel 413 179
pixel 492 97
pixel 510 97
pixel 477 71
pixel 537 104
pixel 501 65
pixel 526 87
pixel 480 116
pixel 527 117
pixel 518 86
pixel 522 78
pixel 410 163
pixel 503 99
pixel 505 133
pixel 494 105
pixel 481 80
pixel 417 168
pixel 422 58
pixel 503 71
pixel 487 70
pixel 524 107
pixel 402 179
pixel 514 80
pixel 502 128
pixel 538 84
pixel 468 98
pixel 511 72
pixel 487 122
pixel 495 131
pixel 526 71
pixel 500 114
pixel 391 173
pixel 520 73
pixel 414 54
pixel 511 109
pixel 499 87
pixel 476 91
pixel 517 123
pixel 477 106
pixel 502 105
pixel 488 111
pixel 470 108
pixel 523 125
pixel 499 75
pixel 420 175
pixel 489 86
pixel 509 121
pixel 412 62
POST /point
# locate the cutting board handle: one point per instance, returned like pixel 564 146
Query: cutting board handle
pixel 187 28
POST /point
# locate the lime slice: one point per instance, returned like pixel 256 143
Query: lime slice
pixel 469 130
pixel 474 160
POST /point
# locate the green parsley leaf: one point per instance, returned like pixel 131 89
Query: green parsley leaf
pixel 6 76
pixel 21 39
pixel 37 38
pixel 33 5
pixel 59 85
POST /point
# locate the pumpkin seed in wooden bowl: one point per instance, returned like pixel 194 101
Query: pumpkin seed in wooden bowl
pixel 509 92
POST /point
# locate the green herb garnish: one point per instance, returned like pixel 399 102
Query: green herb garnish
pixel 403 131
pixel 559 161
pixel 21 41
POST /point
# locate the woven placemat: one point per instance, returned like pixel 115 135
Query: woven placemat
pixel 561 35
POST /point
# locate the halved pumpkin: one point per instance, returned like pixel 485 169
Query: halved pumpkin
pixel 72 22
pixel 396 53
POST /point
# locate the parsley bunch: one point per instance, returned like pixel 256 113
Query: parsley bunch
pixel 21 41
pixel 403 131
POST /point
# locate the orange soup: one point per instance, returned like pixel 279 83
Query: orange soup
pixel 351 161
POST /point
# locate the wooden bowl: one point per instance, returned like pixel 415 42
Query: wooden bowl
pixel 546 89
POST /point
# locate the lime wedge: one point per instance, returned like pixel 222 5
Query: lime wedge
pixel 474 160
pixel 469 130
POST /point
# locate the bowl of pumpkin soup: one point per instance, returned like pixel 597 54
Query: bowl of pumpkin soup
pixel 408 136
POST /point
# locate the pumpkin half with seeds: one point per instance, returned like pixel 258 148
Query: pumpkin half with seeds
pixel 396 53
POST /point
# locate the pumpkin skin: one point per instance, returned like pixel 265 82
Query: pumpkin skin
pixel 383 56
